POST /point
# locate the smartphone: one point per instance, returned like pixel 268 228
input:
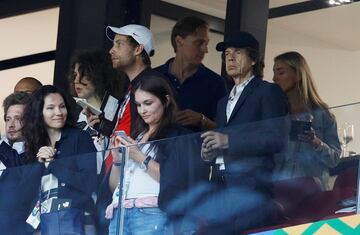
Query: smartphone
pixel 84 104
pixel 123 135
pixel 299 127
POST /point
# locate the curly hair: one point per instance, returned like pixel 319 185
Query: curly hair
pixel 97 67
pixel 34 130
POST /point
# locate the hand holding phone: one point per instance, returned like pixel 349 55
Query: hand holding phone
pixel 301 131
pixel 123 135
pixel 85 105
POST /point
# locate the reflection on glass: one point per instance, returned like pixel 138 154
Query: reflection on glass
pixel 347 136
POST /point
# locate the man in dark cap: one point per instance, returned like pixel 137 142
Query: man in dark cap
pixel 250 118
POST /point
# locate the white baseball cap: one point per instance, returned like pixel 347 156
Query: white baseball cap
pixel 139 33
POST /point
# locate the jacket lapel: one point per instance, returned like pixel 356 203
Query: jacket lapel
pixel 221 119
pixel 245 93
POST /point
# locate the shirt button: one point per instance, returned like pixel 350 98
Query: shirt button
pixel 62 184
pixel 58 152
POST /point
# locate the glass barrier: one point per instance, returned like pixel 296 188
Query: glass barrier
pixel 236 180
pixel 271 174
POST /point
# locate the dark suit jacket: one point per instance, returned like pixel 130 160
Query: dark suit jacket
pixel 255 133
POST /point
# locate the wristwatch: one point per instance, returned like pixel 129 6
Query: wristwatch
pixel 145 163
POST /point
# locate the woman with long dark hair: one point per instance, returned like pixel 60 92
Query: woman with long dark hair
pixel 67 160
pixel 157 171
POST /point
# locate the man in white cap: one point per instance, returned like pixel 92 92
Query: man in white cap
pixel 132 48
pixel 133 45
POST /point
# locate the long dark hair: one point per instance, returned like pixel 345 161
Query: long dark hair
pixel 160 88
pixel 34 130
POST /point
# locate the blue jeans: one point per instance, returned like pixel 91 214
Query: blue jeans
pixel 141 221
pixel 67 221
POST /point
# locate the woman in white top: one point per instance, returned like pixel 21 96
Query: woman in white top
pixel 156 108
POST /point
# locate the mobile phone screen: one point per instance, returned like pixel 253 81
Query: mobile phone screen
pixel 123 135
pixel 299 127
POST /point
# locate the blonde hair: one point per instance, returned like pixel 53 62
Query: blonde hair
pixel 306 85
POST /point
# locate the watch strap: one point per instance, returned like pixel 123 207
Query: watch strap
pixel 145 163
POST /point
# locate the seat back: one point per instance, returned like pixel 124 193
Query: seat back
pixel 291 192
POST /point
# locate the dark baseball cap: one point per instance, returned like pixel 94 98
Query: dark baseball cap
pixel 238 39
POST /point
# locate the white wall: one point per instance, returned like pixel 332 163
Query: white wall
pixel 335 70
pixel 24 35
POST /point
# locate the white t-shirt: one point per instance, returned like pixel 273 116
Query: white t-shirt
pixel 138 182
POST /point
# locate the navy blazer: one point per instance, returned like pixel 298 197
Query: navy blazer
pixel 75 168
pixel 255 132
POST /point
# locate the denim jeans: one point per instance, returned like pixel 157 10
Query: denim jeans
pixel 67 221
pixel 141 221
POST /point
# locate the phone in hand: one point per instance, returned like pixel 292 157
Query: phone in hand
pixel 84 104
pixel 123 135
pixel 299 128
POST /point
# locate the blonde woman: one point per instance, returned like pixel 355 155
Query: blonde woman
pixel 315 150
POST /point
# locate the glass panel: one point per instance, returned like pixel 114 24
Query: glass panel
pixel 310 182
pixel 276 174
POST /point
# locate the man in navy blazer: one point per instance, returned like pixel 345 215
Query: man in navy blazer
pixel 251 120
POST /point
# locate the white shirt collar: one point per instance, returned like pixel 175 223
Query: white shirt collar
pixel 18 146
